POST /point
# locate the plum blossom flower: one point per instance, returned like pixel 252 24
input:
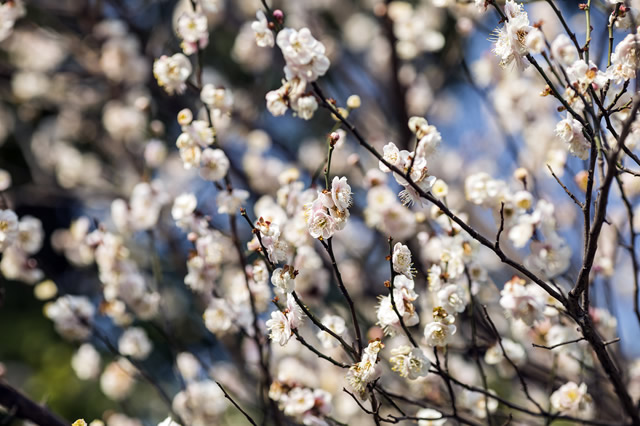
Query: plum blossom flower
pixel 229 202
pixel 264 36
pixel 429 416
pixel 335 324
pixel 571 399
pixel 441 329
pixel 135 343
pixel 279 328
pixel 409 362
pixel 9 228
pixel 283 278
pixel 511 39
pixel 214 164
pixel 304 55
pixel 402 262
pixel 365 371
pixel 193 30
pixel 172 72
pixel 569 131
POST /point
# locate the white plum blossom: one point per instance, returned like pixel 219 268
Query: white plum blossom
pixel 72 316
pixel 569 131
pixel 571 399
pixel 335 324
pixel 279 328
pixel 284 279
pixel 402 262
pixel 511 39
pixel 214 164
pixel 86 362
pixel 264 35
pixel 135 343
pixel 304 55
pixel 229 202
pixel 521 302
pixel 429 416
pixel 409 362
pixel 440 331
pixel 625 59
pixel 172 72
pixel 9 229
pixel 365 371
pixel 563 50
pixel 193 30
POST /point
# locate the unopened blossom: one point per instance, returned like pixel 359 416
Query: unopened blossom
pixel 229 202
pixel 511 39
pixel 172 72
pixel 135 343
pixel 304 55
pixel 260 27
pixel 86 362
pixel 569 131
pixel 573 400
pixel 72 316
pixel 429 416
pixel 335 324
pixel 9 228
pixel 214 164
pixel 283 278
pixel 188 365
pixel 402 262
pixel 409 362
pixel 155 152
pixel 440 331
pixel 279 328
pixel 193 30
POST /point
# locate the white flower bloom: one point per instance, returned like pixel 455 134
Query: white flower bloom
pixel 229 202
pixel 365 371
pixel 218 317
pixel 409 362
pixel 172 72
pixel 193 30
pixel 5 180
pixel 625 59
pixel 440 331
pixel 283 279
pixel 277 101
pixel 429 416
pixel 571 399
pixel 86 362
pixel 335 324
pixel 570 131
pixel 453 298
pixel 341 193
pixel 520 302
pixel 135 343
pixel 217 97
pixel 391 154
pixel 201 403
pixel 183 207
pixel 306 106
pixel 563 50
pixel 303 54
pixel 8 228
pixel 264 35
pixel 298 400
pixel 510 44
pixel 535 41
pixel 188 365
pixel 279 328
pixel 401 259
pixel 214 164
pixel 117 381
pixel 72 316
pixel 9 13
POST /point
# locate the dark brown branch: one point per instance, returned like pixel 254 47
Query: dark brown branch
pixel 24 408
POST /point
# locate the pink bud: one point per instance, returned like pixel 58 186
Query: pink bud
pixel 279 15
